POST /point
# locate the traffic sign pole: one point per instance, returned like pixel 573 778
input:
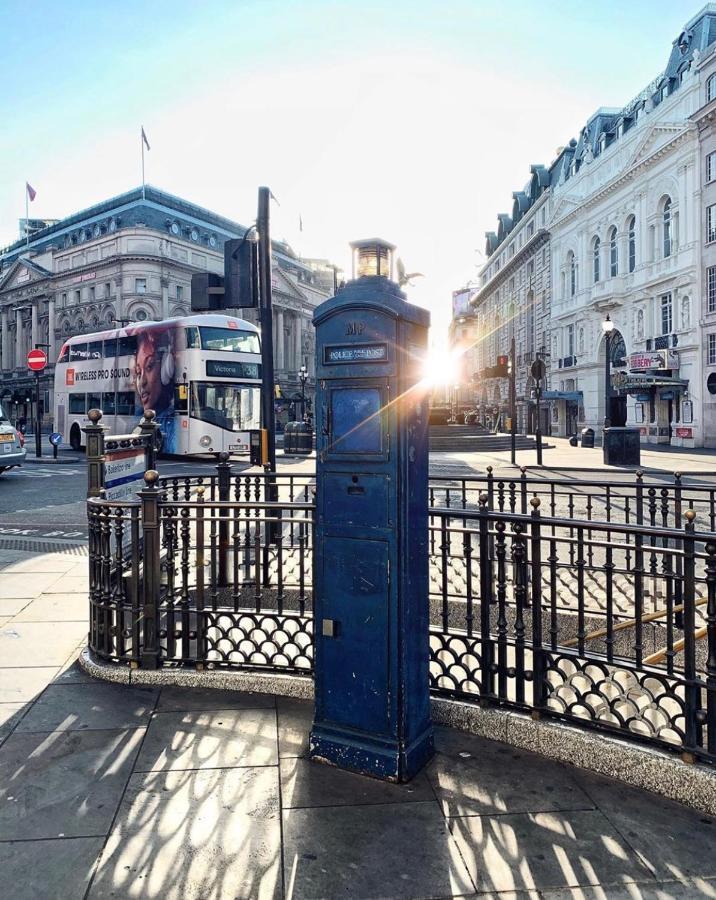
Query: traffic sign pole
pixel 38 435
pixel 36 362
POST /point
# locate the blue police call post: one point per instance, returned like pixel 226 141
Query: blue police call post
pixel 371 608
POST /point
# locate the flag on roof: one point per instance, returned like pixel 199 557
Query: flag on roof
pixel 144 138
pixel 31 192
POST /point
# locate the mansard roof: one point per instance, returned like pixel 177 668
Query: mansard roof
pixel 602 128
pixel 520 206
pixel 491 243
pixel 147 207
pixel 504 226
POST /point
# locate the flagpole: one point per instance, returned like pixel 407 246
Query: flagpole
pixel 141 140
pixel 27 220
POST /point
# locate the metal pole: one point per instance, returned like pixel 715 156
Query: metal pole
pixel 267 374
pixel 538 430
pixel 38 435
pixel 513 404
pixel 607 377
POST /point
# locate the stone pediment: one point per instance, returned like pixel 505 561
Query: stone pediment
pixel 22 273
pixel 564 206
pixel 655 138
pixel 284 284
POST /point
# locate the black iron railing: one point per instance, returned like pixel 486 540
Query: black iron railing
pixel 592 602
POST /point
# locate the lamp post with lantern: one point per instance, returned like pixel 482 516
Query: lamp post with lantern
pixel 302 377
pixel 607 328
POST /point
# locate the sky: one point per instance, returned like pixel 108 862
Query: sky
pixel 413 122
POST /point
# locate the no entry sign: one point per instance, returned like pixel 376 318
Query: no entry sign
pixel 36 360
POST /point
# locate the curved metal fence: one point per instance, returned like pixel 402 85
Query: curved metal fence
pixel 588 601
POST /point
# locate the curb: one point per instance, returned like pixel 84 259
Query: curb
pixel 51 461
pixel 638 766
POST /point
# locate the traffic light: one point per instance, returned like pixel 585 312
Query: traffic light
pixel 239 286
pixel 241 274
pixel 207 292
pixel 502 367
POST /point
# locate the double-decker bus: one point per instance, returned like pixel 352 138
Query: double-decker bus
pixel 200 374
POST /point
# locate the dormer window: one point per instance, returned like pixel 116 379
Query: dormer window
pixel 602 142
pixel 665 92
pixel 620 130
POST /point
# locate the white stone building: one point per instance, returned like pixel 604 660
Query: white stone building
pixel 131 258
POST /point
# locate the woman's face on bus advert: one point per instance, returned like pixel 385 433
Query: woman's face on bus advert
pixel 147 370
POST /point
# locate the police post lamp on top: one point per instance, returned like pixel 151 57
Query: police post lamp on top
pixel 372 257
pixel 607 328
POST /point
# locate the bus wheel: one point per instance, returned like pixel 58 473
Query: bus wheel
pixel 75 437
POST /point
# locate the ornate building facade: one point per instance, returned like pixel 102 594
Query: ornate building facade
pixel 512 301
pixel 629 230
pixel 131 258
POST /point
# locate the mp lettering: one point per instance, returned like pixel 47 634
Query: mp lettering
pixel 355 328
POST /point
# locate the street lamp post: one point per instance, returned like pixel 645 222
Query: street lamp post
pixel 607 327
pixel 302 376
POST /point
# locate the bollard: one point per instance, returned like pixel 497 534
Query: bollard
pixel 95 453
pixel 151 564
pixel 223 470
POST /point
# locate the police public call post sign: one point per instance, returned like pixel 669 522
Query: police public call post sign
pixel 36 360
pixel 124 473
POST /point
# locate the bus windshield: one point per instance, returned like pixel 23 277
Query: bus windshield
pixel 3 417
pixel 230 339
pixel 235 407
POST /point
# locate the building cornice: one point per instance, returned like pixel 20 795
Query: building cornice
pixel 627 176
pixel 540 237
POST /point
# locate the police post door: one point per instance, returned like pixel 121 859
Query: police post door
pixel 371 605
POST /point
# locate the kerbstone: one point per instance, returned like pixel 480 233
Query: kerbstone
pixel 177 699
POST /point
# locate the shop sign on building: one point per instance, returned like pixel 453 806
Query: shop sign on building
pixel 651 360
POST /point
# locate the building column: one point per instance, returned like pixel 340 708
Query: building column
pixel 299 341
pixel 165 298
pixel 51 328
pixel 5 347
pixel 279 339
pixel 34 333
pixel 18 338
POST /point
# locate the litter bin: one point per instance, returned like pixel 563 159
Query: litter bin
pixel 289 438
pixel 588 437
pixel 573 440
pixel 303 439
pixel 622 447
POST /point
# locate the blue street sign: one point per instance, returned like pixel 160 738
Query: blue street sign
pixel 55 438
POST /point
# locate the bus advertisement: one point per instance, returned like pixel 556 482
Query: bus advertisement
pixel 200 374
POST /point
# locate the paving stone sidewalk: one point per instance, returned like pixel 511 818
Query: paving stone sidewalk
pixel 129 792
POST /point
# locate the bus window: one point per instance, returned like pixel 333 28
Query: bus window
pixel 192 337
pixel 230 339
pixel 64 354
pixel 78 352
pixel 109 351
pixel 94 350
pixel 94 401
pixel 235 407
pixel 77 404
pixel 108 404
pixel 127 345
pixel 125 403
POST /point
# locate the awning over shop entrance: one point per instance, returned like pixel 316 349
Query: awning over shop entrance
pixel 574 396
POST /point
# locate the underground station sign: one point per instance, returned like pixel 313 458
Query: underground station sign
pixel 36 360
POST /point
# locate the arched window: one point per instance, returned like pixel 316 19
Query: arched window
pixel 711 89
pixel 631 243
pixel 613 253
pixel 572 266
pixel 596 249
pixel 666 218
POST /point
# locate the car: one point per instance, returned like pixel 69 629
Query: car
pixel 12 452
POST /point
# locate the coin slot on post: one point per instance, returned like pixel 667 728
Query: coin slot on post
pixel 372 712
